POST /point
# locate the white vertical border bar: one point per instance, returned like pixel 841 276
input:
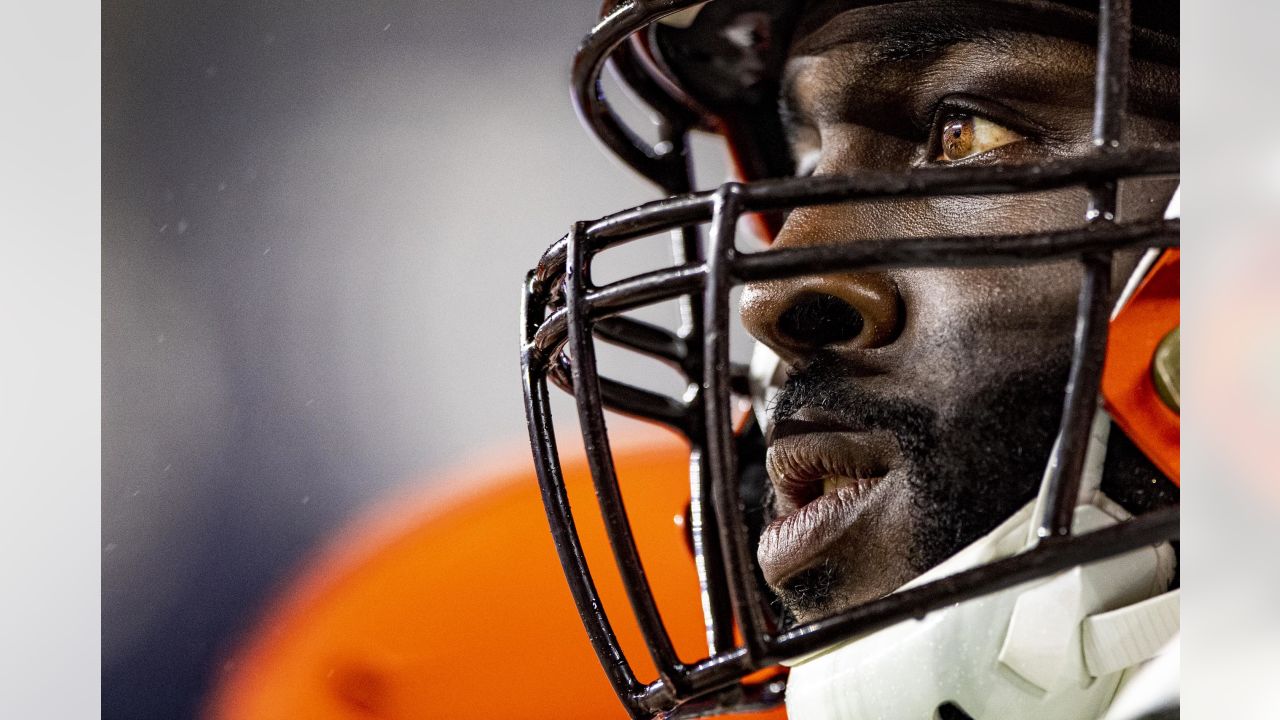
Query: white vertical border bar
pixel 1230 355
pixel 50 359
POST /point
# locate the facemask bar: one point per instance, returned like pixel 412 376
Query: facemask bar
pixel 563 309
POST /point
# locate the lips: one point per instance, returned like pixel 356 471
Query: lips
pixel 825 477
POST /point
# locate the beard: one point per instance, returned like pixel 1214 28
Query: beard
pixel 970 467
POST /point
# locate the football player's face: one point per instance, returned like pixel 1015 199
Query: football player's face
pixel 923 403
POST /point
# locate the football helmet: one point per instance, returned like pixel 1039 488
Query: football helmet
pixel 981 635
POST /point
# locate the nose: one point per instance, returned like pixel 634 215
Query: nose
pixel 799 316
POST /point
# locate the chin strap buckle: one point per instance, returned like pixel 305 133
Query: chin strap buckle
pixel 1092 621
pixel 1130 635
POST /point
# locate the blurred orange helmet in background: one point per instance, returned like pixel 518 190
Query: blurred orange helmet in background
pixel 452 605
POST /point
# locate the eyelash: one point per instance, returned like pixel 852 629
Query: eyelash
pixel 933 119
pixel 953 106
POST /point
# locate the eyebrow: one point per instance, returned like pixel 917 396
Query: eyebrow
pixel 899 32
pixel 893 36
pixel 926 41
pixel 894 42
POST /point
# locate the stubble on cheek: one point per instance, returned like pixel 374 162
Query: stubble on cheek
pixel 974 452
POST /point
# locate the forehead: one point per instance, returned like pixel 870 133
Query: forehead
pixel 916 28
pixel 884 66
pixel 846 53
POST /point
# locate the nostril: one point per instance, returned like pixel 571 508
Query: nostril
pixel 817 319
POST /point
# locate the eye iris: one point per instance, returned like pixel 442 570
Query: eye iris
pixel 957 138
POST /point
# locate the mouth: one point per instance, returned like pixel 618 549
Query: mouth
pixel 825 477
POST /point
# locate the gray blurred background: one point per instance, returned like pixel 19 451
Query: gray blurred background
pixel 316 217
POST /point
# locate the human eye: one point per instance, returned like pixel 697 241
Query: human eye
pixel 807 161
pixel 805 145
pixel 959 135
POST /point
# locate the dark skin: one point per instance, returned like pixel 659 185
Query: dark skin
pixel 930 417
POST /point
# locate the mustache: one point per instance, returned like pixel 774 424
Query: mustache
pixel 824 383
pixel 1013 418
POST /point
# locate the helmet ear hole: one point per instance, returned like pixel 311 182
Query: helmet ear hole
pixel 951 711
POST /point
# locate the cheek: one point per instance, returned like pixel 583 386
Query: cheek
pixel 967 329
pixel 1009 214
pixel 1145 199
pixel 934 217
